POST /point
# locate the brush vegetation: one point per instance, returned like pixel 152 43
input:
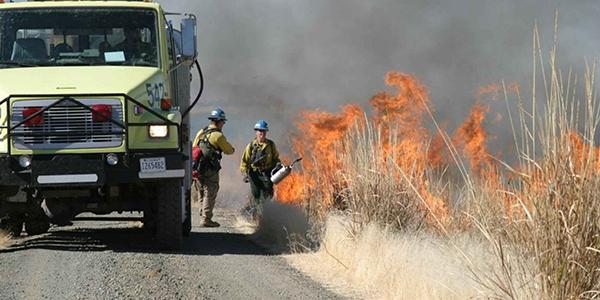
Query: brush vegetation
pixel 524 229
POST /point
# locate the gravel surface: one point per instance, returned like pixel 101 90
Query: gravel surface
pixel 111 260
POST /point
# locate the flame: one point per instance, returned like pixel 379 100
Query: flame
pixel 400 113
pixel 291 190
pixel 583 156
pixel 489 89
pixel 579 156
pixel 319 133
pixel 403 113
pixel 399 116
pixel 472 138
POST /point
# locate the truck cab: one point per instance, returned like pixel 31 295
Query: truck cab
pixel 93 99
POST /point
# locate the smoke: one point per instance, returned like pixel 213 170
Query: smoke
pixel 320 54
pixel 268 59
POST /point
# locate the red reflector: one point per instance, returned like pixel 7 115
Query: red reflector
pixel 165 103
pixel 138 110
pixel 28 112
pixel 104 109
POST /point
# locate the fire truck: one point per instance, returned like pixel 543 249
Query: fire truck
pixel 94 114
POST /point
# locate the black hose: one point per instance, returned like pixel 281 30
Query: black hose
pixel 187 111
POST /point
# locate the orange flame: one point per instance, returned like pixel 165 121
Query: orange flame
pixel 489 89
pixel 319 133
pixel 471 137
pixel 399 115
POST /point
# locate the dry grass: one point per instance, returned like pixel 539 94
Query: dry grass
pixel 382 264
pixel 530 231
pixel 5 239
pixel 244 225
pixel 388 225
pixel 373 192
pixel 555 224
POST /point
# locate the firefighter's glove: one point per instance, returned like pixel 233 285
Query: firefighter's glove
pixel 246 178
pixel 195 174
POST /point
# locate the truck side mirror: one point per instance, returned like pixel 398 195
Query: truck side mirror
pixel 188 40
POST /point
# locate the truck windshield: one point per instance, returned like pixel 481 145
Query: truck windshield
pixel 78 36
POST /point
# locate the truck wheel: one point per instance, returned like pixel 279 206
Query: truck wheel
pixel 149 221
pixel 36 226
pixel 187 224
pixel 168 214
pixel 12 225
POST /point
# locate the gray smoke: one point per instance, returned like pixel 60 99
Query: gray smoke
pixel 268 59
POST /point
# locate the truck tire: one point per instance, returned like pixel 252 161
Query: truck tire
pixel 36 226
pixel 149 220
pixel 187 224
pixel 169 227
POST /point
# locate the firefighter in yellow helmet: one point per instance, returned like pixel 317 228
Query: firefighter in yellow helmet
pixel 206 170
pixel 259 159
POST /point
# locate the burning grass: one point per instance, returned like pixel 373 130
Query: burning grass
pixel 405 192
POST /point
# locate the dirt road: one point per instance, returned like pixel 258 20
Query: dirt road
pixel 108 260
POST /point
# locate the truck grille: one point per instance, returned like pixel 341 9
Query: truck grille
pixel 67 126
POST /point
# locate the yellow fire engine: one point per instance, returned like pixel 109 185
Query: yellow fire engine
pixel 94 100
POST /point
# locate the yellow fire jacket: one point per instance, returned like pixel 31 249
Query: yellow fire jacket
pixel 216 139
pixel 270 162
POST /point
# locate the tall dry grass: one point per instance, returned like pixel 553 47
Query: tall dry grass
pixel 535 223
pixel 553 232
pixel 373 190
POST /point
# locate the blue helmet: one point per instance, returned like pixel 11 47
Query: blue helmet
pixel 261 125
pixel 217 114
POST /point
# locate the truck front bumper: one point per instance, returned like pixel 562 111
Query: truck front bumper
pixel 88 169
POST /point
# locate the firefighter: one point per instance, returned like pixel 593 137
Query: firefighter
pixel 259 159
pixel 133 46
pixel 208 184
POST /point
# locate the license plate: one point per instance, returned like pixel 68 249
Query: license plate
pixel 154 164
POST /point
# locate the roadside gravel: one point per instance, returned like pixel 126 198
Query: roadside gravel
pixel 111 260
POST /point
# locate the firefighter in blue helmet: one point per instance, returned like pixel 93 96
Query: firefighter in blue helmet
pixel 206 173
pixel 258 160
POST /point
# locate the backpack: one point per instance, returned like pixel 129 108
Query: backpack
pixel 205 156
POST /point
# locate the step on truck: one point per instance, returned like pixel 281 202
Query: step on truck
pixel 94 103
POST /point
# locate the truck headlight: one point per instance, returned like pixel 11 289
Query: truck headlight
pixel 24 161
pixel 112 159
pixel 158 131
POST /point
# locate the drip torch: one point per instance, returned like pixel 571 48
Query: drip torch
pixel 277 175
